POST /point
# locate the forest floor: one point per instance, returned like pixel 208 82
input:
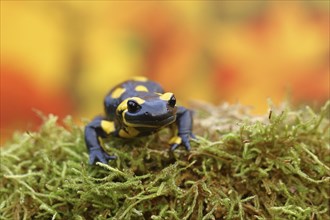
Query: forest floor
pixel 241 166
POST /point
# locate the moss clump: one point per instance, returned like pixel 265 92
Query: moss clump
pixel 241 167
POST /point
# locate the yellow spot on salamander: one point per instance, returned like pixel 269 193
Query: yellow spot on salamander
pixel 101 141
pixel 117 92
pixel 128 133
pixel 141 88
pixel 123 105
pixel 140 78
pixel 107 126
pixel 166 96
pixel 175 140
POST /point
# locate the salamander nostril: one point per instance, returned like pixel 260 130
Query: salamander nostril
pixel 146 113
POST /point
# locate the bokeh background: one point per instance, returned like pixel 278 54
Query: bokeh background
pixel 61 57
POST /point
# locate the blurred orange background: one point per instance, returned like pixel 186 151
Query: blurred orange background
pixel 62 57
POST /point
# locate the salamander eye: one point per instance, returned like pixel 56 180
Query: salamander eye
pixel 132 106
pixel 172 101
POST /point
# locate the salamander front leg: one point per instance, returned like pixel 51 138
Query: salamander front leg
pixel 184 123
pixel 94 132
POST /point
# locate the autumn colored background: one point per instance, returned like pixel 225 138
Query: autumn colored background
pixel 61 57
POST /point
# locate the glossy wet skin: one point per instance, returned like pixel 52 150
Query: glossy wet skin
pixel 150 111
pixel 136 108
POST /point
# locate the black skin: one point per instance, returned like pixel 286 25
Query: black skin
pixel 137 108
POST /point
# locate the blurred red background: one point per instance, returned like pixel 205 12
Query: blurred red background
pixel 61 57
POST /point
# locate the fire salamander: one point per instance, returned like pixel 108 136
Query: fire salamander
pixel 135 108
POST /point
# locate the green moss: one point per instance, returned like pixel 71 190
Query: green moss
pixel 241 167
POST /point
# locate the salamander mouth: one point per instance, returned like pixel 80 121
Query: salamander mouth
pixel 154 123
